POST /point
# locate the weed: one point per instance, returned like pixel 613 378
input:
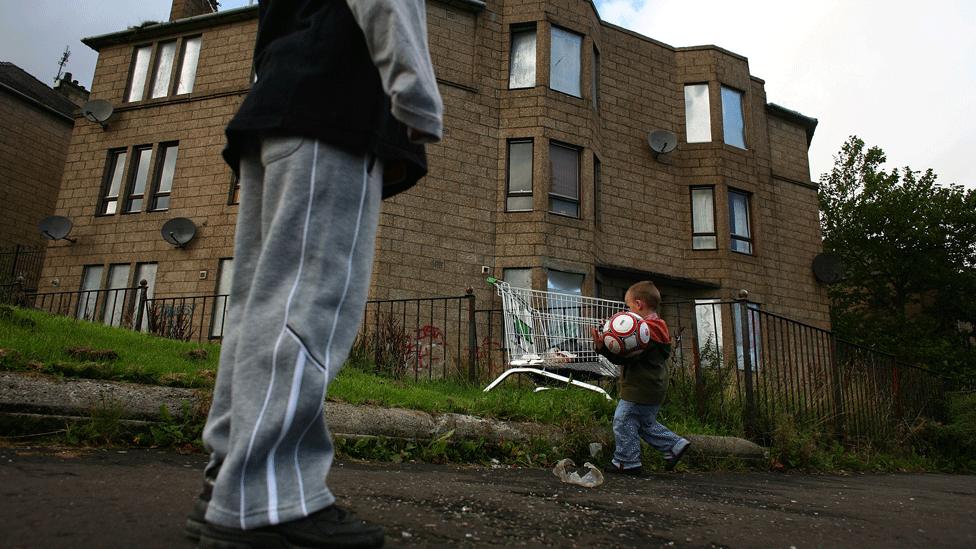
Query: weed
pixel 94 355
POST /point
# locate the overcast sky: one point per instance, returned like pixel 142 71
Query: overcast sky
pixel 898 73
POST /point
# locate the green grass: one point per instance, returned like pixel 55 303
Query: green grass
pixel 508 401
pixel 36 341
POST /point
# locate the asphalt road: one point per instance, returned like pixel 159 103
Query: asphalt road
pixel 137 498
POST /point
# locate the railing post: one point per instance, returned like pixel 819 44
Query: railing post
pixel 750 408
pixel 699 378
pixel 13 264
pixel 141 308
pixel 472 337
pixel 838 392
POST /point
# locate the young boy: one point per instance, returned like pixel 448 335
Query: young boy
pixel 643 384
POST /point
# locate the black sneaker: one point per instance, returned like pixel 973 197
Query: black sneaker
pixel 669 464
pixel 630 471
pixel 195 520
pixel 332 527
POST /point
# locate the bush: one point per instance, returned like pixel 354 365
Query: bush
pixel 953 443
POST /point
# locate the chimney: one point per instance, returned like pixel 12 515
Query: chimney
pixel 190 8
pixel 75 92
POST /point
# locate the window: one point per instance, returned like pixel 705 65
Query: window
pixel 115 295
pixel 708 322
pixel 595 79
pixel 698 120
pixel 91 281
pixel 755 336
pixel 519 176
pixel 148 183
pixel 188 65
pixel 518 278
pixel 739 222
pixel 564 61
pixel 221 303
pixel 732 125
pixel 564 309
pixel 564 167
pixel 596 191
pixel 147 272
pixel 564 283
pixel 164 176
pixel 140 69
pixel 140 175
pixel 165 68
pixel 703 235
pixel 113 182
pixel 522 63
pixel 235 189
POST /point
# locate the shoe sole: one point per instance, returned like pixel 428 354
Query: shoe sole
pixel 192 529
pixel 224 539
pixel 669 466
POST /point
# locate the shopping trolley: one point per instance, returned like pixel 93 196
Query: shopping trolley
pixel 548 334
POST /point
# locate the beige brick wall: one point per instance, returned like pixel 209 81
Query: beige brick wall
pixel 434 238
pixel 201 184
pixel 33 145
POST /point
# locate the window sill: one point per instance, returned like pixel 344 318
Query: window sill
pixel 565 216
pixel 565 94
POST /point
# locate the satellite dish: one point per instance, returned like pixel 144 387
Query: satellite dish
pixel 98 111
pixel 179 231
pixel 56 227
pixel 662 141
pixel 828 268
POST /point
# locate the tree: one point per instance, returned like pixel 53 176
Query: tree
pixel 909 247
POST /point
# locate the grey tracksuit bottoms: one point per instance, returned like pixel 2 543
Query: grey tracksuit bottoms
pixel 306 230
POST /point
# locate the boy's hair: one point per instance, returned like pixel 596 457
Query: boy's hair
pixel 647 292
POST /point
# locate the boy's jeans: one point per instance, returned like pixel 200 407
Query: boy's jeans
pixel 633 422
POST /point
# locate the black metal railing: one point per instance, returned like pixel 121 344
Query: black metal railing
pixel 756 369
pixel 427 338
pixel 187 318
pixel 21 264
pixel 117 307
pixel 737 362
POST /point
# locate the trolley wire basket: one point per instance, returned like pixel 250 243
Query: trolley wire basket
pixel 549 334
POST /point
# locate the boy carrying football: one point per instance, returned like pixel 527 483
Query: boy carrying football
pixel 643 384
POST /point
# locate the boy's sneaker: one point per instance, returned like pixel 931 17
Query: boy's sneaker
pixel 678 452
pixel 330 527
pixel 629 471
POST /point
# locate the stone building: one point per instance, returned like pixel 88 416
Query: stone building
pixel 35 129
pixel 544 176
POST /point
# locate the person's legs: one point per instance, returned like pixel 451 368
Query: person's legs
pixel 247 250
pixel 626 423
pixel 318 215
pixel 658 436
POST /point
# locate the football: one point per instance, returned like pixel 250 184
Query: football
pixel 626 334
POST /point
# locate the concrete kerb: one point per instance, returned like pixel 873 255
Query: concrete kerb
pixel 34 396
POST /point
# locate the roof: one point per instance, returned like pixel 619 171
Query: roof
pixel 808 124
pixel 151 30
pixel 20 82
